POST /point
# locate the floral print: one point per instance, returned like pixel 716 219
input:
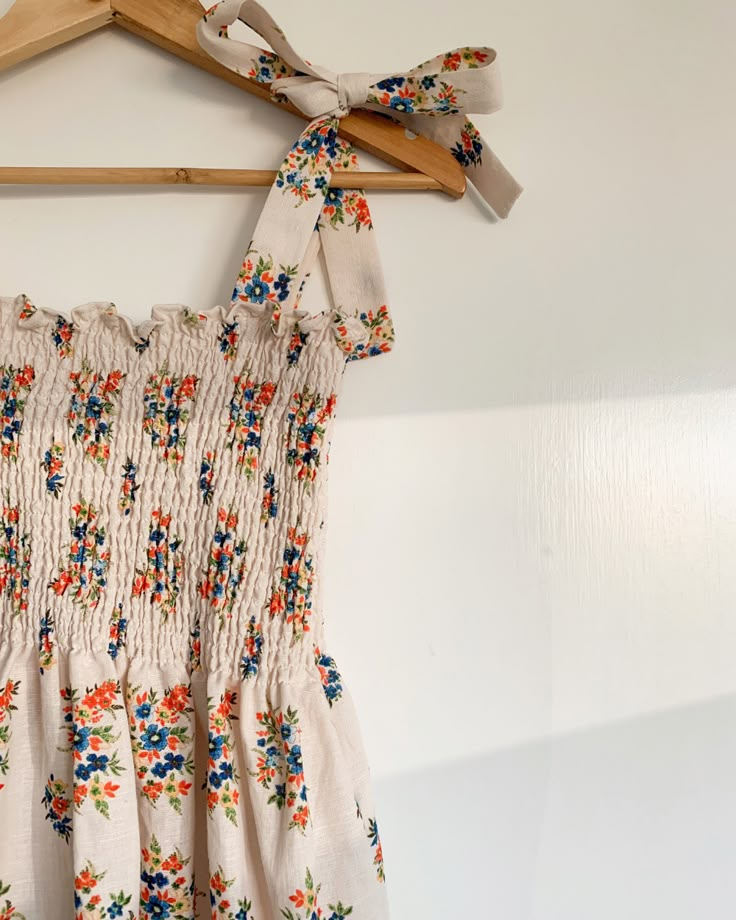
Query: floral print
pixel 304 173
pixel 7 706
pixel 329 675
pixel 380 329
pixel 15 385
pixel 306 900
pixel 7 911
pixel 346 207
pixel 206 475
pixel 167 401
pixel 375 840
pixel 195 648
pixel 118 631
pixel 222 778
pixel 46 655
pixel 202 452
pixel 167 884
pixel 226 565
pixel 417 95
pixel 308 414
pixel 247 405
pixel 62 336
pixel 92 409
pixel 129 487
pixel 220 904
pixel 268 67
pixel 58 803
pixel 259 282
pixel 269 503
pixel 466 57
pixel 86 573
pixel 15 559
pixel 253 647
pixel 164 572
pixel 468 149
pixel 228 340
pixel 90 904
pixel 292 594
pixel 53 464
pixel 279 766
pixel 296 345
pixel 162 741
pixel 91 738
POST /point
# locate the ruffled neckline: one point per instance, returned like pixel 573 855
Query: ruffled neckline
pixel 97 315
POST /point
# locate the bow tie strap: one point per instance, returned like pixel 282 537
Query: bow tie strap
pixel 453 85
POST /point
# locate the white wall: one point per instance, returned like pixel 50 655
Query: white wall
pixel 531 587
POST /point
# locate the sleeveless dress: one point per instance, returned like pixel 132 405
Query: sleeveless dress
pixel 176 739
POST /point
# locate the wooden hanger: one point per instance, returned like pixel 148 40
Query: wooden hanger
pixel 31 27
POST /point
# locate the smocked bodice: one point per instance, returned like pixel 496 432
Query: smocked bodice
pixel 165 484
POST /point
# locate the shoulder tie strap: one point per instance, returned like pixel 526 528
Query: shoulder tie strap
pixel 303 213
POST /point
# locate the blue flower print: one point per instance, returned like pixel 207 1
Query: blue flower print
pixel 258 289
pixel 155 737
pixel 216 743
pixel 143 711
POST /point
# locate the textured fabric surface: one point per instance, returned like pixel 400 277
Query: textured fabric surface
pixel 176 740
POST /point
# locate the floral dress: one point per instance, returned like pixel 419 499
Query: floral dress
pixel 176 739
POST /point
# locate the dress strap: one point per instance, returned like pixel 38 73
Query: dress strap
pixel 302 214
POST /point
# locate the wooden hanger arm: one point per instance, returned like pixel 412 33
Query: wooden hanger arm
pixel 171 24
pixel 33 26
pixel 164 175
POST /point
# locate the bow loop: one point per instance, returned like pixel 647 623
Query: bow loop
pixel 434 98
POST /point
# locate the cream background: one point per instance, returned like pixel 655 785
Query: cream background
pixel 531 577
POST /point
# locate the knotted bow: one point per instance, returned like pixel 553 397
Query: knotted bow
pixel 449 85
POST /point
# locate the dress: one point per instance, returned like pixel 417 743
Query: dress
pixel 173 726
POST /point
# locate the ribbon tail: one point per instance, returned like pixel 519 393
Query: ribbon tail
pixel 481 166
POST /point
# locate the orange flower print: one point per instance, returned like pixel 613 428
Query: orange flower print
pixel 15 559
pixel 167 402
pixel 46 656
pixel 375 840
pixel 58 806
pixel 92 409
pixel 162 739
pixel 15 385
pixel 222 906
pixel 222 778
pixel 248 402
pixel 221 579
pixel 86 573
pixel 89 903
pixel 91 739
pixel 7 911
pixel 292 593
pixel 308 415
pixel 163 574
pixel 167 884
pixel 8 693
pixel 129 487
pixel 279 767
pixel 306 899
pixel 380 333
pixel 53 464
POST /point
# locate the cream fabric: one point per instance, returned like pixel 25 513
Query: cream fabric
pixel 176 739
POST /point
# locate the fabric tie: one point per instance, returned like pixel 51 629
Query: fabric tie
pixel 452 85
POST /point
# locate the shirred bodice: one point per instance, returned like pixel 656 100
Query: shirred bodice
pixel 171 476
